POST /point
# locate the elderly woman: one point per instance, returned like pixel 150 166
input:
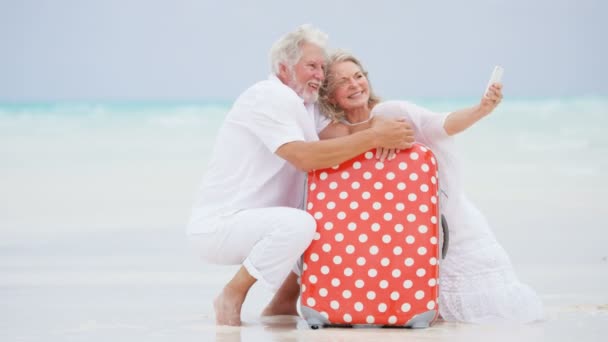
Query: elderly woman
pixel 477 280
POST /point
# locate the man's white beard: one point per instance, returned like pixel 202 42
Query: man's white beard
pixel 301 90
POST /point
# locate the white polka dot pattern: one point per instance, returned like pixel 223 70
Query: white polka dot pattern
pixel 374 258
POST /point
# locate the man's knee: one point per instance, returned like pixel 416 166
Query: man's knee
pixel 310 226
pixel 304 227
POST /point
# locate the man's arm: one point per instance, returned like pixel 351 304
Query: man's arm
pixel 306 156
pixel 333 130
pixel 460 120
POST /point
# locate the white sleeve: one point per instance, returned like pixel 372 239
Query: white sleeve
pixel 431 123
pixel 428 125
pixel 275 122
pixel 321 121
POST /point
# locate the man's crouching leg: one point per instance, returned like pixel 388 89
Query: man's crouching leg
pixel 285 301
pixel 268 242
pixel 229 303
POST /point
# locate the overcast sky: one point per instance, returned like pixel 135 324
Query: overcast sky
pixel 196 50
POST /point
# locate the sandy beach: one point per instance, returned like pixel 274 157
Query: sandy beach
pixel 68 288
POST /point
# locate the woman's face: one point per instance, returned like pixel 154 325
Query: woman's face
pixel 350 87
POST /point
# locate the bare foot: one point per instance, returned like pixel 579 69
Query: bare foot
pixel 228 308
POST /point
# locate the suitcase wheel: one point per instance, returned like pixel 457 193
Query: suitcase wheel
pixel 314 319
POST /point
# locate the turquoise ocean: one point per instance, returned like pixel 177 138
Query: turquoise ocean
pixel 94 198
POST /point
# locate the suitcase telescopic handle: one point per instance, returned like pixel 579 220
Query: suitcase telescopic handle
pixel 446 236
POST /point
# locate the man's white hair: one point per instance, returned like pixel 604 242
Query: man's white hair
pixel 287 50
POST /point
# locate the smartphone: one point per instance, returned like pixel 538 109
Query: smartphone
pixel 495 78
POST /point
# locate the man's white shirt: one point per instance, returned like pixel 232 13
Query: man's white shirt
pixel 244 172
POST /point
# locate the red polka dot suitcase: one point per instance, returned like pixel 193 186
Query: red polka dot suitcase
pixel 374 258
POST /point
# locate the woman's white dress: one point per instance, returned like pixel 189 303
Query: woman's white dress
pixel 477 281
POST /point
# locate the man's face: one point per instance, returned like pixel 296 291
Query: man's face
pixel 307 75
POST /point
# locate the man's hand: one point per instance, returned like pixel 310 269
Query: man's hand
pixel 392 134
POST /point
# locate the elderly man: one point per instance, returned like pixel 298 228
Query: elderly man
pixel 249 208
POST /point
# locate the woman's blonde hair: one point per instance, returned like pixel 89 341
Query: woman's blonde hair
pixel 329 109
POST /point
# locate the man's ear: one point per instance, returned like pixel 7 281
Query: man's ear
pixel 284 73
